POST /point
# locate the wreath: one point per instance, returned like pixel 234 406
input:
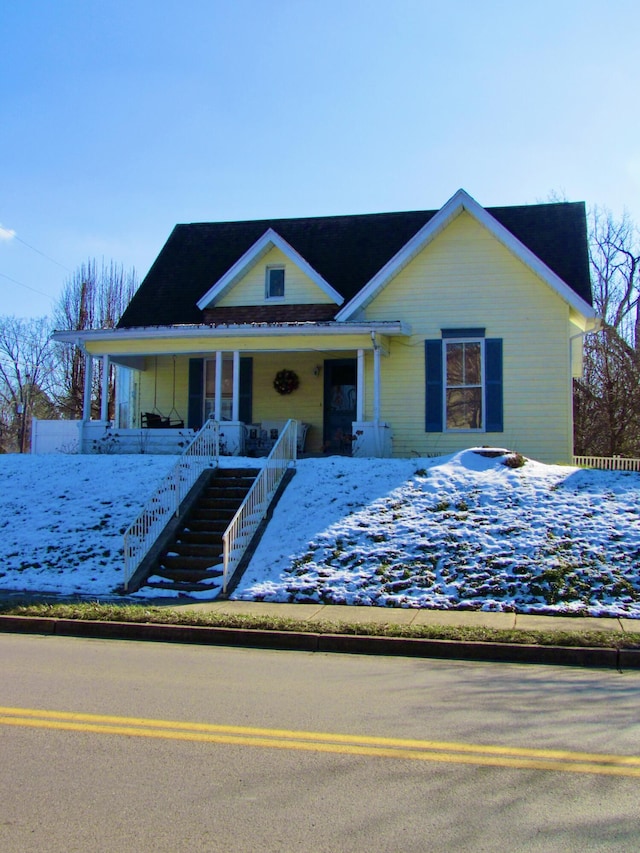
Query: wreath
pixel 286 381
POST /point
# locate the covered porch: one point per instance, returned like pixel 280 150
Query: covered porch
pixel 328 377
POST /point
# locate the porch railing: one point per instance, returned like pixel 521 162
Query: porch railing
pixel 200 454
pixel 608 463
pixel 253 509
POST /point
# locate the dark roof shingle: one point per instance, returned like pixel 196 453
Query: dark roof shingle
pixel 347 251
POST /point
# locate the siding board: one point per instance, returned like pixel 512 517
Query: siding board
pixel 466 278
pixel 299 289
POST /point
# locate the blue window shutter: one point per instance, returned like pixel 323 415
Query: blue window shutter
pixel 196 391
pixel 246 388
pixel 434 390
pixel 493 389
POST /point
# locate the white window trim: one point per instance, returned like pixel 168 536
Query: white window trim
pixel 267 282
pixel 445 386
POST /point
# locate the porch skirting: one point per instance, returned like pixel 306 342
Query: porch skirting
pixel 369 439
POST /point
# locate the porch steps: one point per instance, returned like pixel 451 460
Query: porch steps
pixel 192 562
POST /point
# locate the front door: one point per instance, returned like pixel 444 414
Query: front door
pixel 339 404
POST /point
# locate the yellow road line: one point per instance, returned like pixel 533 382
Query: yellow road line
pixel 420 750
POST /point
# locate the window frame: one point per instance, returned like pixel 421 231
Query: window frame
pixel 456 341
pixel 493 385
pixel 226 397
pixel 267 281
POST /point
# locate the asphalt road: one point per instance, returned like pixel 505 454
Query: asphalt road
pixel 127 746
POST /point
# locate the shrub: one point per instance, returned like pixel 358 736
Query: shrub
pixel 514 460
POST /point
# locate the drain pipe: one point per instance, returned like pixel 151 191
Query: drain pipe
pixel 376 393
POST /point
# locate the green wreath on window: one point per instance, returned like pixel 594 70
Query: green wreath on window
pixel 286 381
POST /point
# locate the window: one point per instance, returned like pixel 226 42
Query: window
pixel 200 388
pixel 463 384
pixel 274 287
pixel 463 373
pixel 226 401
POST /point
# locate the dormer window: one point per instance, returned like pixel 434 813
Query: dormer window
pixel 274 286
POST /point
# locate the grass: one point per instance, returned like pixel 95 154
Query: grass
pixel 167 616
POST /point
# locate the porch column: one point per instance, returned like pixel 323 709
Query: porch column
pixel 376 383
pixel 88 382
pixel 217 405
pixel 104 397
pixel 235 403
pixel 360 388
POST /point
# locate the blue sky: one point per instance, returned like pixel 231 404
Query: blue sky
pixel 120 118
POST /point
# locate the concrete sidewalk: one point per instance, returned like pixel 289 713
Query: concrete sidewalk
pixel 341 614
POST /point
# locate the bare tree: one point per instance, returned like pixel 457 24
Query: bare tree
pixel 607 398
pixel 615 265
pixel 27 379
pixel 91 299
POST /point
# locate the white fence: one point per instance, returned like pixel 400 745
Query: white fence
pixel 607 463
pixel 201 454
pixel 247 519
pixel 55 436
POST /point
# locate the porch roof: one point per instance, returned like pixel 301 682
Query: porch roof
pixel 192 338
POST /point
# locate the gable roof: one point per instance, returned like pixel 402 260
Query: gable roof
pixel 269 240
pixel 347 252
pixel 458 203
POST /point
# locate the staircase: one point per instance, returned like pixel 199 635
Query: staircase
pixel 193 561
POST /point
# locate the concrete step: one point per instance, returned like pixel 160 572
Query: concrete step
pixel 226 493
pixel 183 586
pixel 202 513
pixel 199 564
pixel 223 506
pixel 188 575
pixel 207 525
pixel 229 482
pixel 199 537
pixel 196 555
pixel 236 473
pixel 197 549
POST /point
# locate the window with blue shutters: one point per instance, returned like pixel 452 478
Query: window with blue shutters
pixel 463 373
pixel 463 378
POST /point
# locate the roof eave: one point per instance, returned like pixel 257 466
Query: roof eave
pixel 388 327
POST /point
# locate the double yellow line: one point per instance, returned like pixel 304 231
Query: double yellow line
pixel 417 750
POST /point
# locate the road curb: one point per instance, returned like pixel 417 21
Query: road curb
pixel 583 656
pixel 27 624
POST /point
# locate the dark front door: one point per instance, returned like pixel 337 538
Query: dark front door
pixel 339 404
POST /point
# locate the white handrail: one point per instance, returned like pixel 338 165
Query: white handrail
pixel 247 519
pixel 202 453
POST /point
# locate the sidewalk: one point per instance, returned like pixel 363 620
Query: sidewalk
pixel 337 613
pixel 318 634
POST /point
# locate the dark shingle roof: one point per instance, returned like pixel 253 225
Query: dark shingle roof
pixel 347 251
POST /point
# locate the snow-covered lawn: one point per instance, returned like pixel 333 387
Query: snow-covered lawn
pixel 62 518
pixel 457 531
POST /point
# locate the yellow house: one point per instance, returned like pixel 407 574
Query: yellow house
pixel 404 334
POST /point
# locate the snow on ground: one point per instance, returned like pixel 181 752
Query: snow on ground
pixel 62 519
pixel 456 531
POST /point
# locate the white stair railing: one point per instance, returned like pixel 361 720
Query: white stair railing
pixel 253 509
pixel 200 454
